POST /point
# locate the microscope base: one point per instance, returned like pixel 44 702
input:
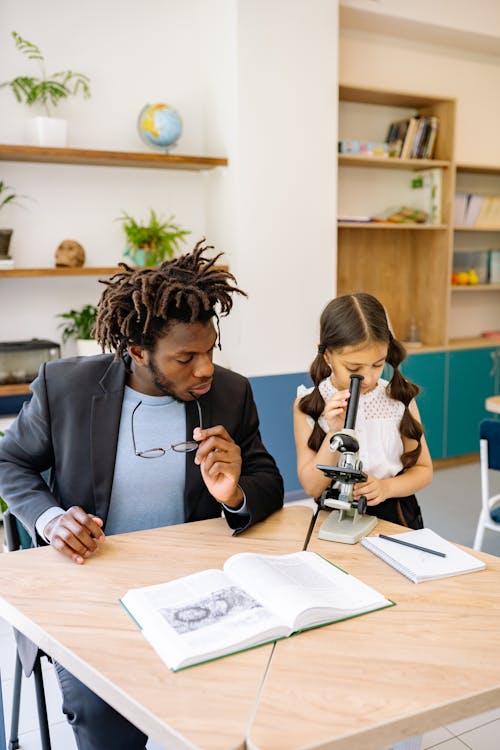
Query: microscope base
pixel 347 529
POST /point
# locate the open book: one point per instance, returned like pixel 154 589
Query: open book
pixel 253 600
pixel 422 566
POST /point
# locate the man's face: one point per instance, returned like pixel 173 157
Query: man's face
pixel 180 365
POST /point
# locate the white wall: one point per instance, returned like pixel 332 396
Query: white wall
pixel 134 54
pixel 254 81
pixel 287 111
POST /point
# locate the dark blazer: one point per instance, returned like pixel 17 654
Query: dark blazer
pixel 70 427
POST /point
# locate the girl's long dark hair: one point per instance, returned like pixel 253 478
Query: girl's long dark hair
pixel 353 320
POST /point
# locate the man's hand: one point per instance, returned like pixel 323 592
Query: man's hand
pixel 219 459
pixel 75 534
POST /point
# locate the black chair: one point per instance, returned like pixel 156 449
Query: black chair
pixel 14 538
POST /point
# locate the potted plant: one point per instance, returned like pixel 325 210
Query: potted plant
pixel 149 244
pixel 79 325
pixel 47 91
pixel 6 196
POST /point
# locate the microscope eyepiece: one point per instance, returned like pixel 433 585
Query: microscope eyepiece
pixel 352 405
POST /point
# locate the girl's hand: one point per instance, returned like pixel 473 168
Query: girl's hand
pixel 335 409
pixel 375 490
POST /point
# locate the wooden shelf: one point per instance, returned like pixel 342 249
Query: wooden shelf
pixel 475 342
pixel 472 342
pixel 388 225
pixel 383 162
pixel 476 229
pixel 92 157
pixel 478 169
pixel 83 271
pixel 475 287
pixel 15 389
pixel 390 98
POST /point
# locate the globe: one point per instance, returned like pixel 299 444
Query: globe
pixel 160 125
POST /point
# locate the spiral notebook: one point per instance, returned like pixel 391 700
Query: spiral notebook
pixel 422 566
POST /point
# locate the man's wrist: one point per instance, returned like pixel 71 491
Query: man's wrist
pixel 46 519
pixel 237 501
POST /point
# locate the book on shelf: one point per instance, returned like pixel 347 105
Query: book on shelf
pixel 431 135
pixel 396 136
pixel 427 193
pixel 476 210
pixel 254 599
pixel 353 219
pixel 417 145
pixel 460 208
pixel 409 137
pixel 473 208
pixel 418 565
pixel 494 267
pixel 413 138
pixel 363 148
pixel 485 217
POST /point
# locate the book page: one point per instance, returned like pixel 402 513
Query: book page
pixel 199 616
pixel 303 587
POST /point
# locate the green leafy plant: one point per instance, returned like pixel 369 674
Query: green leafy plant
pixel 6 196
pixel 80 323
pixel 149 244
pixel 46 89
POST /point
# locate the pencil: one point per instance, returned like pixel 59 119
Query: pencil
pixel 413 546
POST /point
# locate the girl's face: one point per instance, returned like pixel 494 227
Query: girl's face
pixel 367 360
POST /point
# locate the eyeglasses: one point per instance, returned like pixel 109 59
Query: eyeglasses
pixel 186 447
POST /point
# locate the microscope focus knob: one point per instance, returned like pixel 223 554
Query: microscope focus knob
pixel 360 504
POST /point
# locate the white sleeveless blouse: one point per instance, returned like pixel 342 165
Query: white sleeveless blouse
pixel 377 428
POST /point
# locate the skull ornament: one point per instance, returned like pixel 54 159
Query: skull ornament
pixel 70 254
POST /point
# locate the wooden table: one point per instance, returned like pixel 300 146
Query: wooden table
pixel 493 404
pixel 72 613
pixel 356 685
pixel 365 683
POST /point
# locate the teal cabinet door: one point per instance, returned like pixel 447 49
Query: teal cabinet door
pixel 428 371
pixel 471 379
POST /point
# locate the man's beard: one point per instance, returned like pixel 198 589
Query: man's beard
pixel 163 385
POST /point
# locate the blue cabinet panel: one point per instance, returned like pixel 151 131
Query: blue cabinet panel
pixel 471 379
pixel 274 396
pixel 428 371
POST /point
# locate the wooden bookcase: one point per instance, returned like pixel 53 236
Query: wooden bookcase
pixel 476 308
pixel 406 266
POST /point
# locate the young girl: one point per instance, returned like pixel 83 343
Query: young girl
pixel 355 338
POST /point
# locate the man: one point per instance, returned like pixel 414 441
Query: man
pixel 152 436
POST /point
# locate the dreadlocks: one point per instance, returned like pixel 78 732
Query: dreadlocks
pixel 137 306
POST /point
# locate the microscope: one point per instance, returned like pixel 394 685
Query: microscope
pixel 348 523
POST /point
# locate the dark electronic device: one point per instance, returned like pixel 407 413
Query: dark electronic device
pixel 20 360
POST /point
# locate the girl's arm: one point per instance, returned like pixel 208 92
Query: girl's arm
pixel 311 479
pixel 407 483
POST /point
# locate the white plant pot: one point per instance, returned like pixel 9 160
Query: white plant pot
pixel 46 131
pixel 87 347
